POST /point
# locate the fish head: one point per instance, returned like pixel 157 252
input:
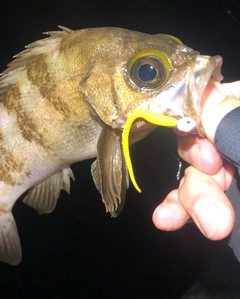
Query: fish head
pixel 137 71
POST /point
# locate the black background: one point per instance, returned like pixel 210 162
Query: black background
pixel 78 251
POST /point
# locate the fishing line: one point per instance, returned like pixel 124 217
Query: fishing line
pixel 21 285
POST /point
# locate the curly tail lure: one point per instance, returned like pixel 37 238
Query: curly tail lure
pixel 154 118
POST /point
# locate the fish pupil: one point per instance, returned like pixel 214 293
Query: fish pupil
pixel 147 73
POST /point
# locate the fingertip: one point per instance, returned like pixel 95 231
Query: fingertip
pixel 210 160
pixel 215 219
pixel 200 153
pixel 205 201
pixel 170 215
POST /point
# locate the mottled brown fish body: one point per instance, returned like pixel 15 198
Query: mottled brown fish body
pixel 66 98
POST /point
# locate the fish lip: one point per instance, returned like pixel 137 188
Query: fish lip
pixel 184 97
pixel 216 74
pixel 204 69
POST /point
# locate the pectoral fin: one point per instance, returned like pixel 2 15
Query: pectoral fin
pixel 44 196
pixel 109 171
pixel 10 247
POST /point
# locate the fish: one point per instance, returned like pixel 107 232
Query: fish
pixel 89 93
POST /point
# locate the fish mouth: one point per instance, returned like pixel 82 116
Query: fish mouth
pixel 203 70
pixel 215 68
pixel 183 99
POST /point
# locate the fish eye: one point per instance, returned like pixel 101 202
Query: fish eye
pixel 149 69
pixel 148 72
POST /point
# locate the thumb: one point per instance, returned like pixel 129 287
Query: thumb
pixel 210 119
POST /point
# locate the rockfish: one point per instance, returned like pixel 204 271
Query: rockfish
pixel 67 98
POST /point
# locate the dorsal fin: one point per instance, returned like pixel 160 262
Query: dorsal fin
pixel 18 66
pixel 65 28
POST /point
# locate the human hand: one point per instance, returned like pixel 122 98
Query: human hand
pixel 201 192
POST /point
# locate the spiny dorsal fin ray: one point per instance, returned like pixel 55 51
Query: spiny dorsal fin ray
pixel 10 247
pixel 66 29
pixel 44 196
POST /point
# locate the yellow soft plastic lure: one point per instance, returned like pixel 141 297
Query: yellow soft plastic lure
pixel 154 118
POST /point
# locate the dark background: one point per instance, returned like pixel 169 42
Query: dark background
pixel 78 251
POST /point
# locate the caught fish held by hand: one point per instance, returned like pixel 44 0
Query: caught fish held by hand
pixel 89 93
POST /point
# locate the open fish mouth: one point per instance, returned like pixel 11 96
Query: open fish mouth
pixel 183 98
pixel 203 69
pixel 214 69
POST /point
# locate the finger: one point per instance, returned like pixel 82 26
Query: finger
pixel 217 100
pixel 210 119
pixel 225 175
pixel 213 94
pixel 233 88
pixel 170 214
pixel 200 153
pixel 204 200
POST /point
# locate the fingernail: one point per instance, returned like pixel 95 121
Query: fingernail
pixel 207 215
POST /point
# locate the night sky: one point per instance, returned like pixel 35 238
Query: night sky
pixel 78 251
